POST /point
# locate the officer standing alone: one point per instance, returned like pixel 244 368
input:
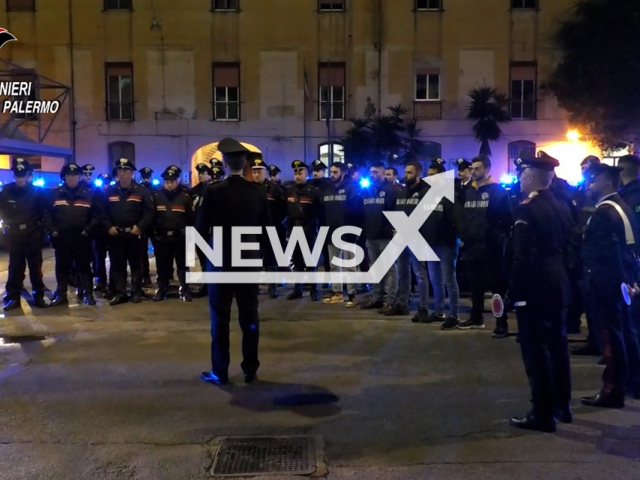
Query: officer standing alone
pixel 174 213
pixel 540 291
pixel 245 205
pixel 22 208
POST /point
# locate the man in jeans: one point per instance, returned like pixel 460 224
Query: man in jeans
pixel 343 207
pixel 377 198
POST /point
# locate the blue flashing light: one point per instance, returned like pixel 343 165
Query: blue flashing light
pixel 576 180
pixel 98 182
pixel 507 179
pixel 113 182
pixel 155 181
pixel 365 183
pixel 39 182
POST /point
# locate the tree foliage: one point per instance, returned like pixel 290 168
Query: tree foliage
pixel 596 80
pixel 488 109
pixel 391 138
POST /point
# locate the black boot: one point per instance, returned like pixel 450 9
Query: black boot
pixel 60 295
pixel 120 287
pixel 184 292
pixel 101 286
pixel 87 283
pixel 296 293
pixel 162 291
pixel 80 287
pixel 314 293
pixel 136 287
pixel 201 291
pixel 273 290
pixel 39 301
pixel 11 304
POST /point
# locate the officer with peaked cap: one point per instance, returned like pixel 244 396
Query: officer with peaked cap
pixel 304 209
pixel 146 175
pixel 436 167
pixel 274 173
pixel 146 181
pixel 87 174
pixel 174 213
pixel 354 173
pixel 22 208
pixel 463 181
pixel 233 202
pixel 74 212
pixel 540 292
pixel 197 193
pixel 129 214
pixel 277 213
pixel 217 169
pixel 609 253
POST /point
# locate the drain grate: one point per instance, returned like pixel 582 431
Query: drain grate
pixel 248 456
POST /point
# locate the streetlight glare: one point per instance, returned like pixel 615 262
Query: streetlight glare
pixel 573 135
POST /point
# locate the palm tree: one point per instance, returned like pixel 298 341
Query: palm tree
pixel 488 109
pixel 357 142
pixel 414 147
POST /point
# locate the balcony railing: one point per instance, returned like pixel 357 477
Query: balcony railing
pixel 427 110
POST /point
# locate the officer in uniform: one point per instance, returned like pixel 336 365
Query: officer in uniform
pixel 245 205
pixel 129 213
pixel 277 213
pixel 609 252
pixel 197 194
pixel 87 174
pixel 322 183
pixel 274 174
pixel 22 207
pixel 146 181
pixel 540 291
pixel 174 213
pixel 217 170
pixel 303 210
pixel 101 241
pixel 74 212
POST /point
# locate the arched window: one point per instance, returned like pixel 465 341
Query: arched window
pixel 329 153
pixel 516 148
pixel 118 150
pixel 432 150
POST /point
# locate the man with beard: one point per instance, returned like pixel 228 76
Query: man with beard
pixel 343 207
pixel 487 223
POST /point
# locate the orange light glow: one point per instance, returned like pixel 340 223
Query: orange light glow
pixel 570 155
pixel 573 135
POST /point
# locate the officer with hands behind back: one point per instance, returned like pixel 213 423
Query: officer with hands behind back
pixel 22 207
pixel 74 212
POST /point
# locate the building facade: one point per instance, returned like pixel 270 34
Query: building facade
pixel 158 81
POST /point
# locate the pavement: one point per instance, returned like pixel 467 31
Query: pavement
pixel 114 393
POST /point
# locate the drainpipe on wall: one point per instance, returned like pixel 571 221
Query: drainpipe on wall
pixel 72 97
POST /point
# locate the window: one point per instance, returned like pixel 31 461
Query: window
pixel 428 86
pixel 331 81
pixel 331 5
pixel 118 150
pixel 432 150
pixel 516 149
pixel 119 91
pixel 118 4
pixel 523 91
pixel 26 76
pixel 428 4
pixel 226 91
pixel 329 153
pixel 520 4
pixel 226 5
pixel 21 5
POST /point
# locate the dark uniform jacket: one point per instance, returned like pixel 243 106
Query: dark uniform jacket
pixel 630 193
pixel 174 213
pixel 377 199
pixel 541 237
pixel 22 208
pixel 342 205
pixel 277 202
pixel 487 221
pixel 73 212
pixel 321 183
pixel 149 186
pixel 608 260
pixel 127 207
pixel 304 208
pixel 234 202
pixel 196 194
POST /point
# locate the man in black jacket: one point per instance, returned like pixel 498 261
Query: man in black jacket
pixel 197 194
pixel 377 198
pixel 540 291
pixel 321 182
pixel 245 206
pixel 486 226
pixel 73 213
pixel 609 253
pixel 343 207
pixel 129 213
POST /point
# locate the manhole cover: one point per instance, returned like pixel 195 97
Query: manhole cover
pixel 248 456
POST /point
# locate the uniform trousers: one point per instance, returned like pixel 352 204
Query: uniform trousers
pixel 24 249
pixel 126 249
pixel 167 251
pixel 144 241
pixel 545 354
pixel 298 261
pixel 100 249
pixel 486 275
pixel 73 254
pixel 220 300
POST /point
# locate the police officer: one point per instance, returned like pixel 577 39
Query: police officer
pixel 197 194
pixel 146 175
pixel 484 232
pixel 245 205
pixel 303 210
pixel 540 291
pixel 87 174
pixel 277 213
pixel 609 252
pixel 274 174
pixel 22 207
pixel 74 211
pixel 146 179
pixel 129 213
pixel 217 170
pixel 321 182
pixel 174 213
pixel 101 241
